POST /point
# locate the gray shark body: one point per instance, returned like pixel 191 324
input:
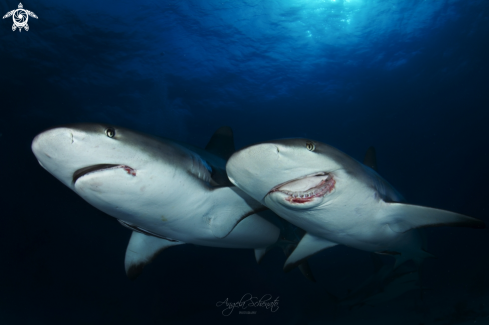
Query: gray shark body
pixel 335 199
pixel 167 193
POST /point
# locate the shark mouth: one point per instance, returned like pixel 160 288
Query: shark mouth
pixel 305 189
pixel 91 169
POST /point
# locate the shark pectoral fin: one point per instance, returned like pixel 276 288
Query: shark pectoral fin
pixel 308 246
pixel 403 217
pixel 230 206
pixel 142 249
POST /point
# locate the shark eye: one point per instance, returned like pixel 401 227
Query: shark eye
pixel 110 132
pixel 310 146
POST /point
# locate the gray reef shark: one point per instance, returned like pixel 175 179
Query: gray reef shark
pixel 335 199
pixel 168 193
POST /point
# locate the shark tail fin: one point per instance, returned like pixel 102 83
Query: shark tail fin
pixel 222 143
pixel 403 217
pixel 142 249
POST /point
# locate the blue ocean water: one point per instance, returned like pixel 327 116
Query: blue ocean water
pixel 409 77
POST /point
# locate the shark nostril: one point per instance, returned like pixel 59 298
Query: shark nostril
pixel 278 150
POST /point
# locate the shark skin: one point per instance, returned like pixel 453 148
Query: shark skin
pixel 166 192
pixel 335 199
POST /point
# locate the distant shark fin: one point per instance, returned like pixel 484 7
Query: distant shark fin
pixel 240 205
pixel 370 159
pixel 403 217
pixel 222 143
pixel 142 249
pixel 308 246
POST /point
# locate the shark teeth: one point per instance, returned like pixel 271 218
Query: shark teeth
pixel 305 189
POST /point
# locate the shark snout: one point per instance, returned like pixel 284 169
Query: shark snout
pixel 252 161
pixel 50 143
pixel 253 169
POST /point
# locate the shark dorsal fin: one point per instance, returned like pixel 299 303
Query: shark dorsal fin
pixel 370 159
pixel 222 143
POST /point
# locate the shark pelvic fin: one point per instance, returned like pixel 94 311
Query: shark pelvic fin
pixel 370 159
pixel 403 217
pixel 142 249
pixel 260 252
pixel 222 143
pixel 230 206
pixel 308 246
pixel 304 266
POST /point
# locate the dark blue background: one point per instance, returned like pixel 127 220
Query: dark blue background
pixel 410 77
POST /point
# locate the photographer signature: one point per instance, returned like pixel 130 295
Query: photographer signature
pixel 249 301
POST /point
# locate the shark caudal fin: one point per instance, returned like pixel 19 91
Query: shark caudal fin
pixel 142 249
pixel 403 217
